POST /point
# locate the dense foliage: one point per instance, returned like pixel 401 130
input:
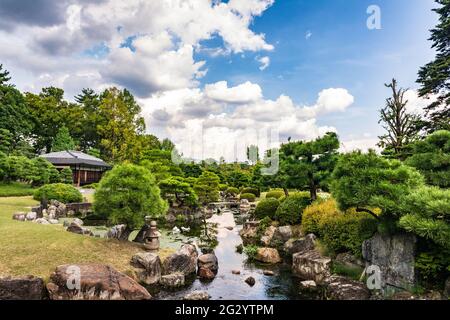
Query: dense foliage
pixel 277 194
pixel 127 194
pixel 431 157
pixel 255 191
pixel 248 196
pixel 291 209
pixel 267 208
pixel 65 193
pixel 176 190
pixel 365 181
pixel 338 231
pixel 207 187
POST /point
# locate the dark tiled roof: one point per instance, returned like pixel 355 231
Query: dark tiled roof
pixel 74 157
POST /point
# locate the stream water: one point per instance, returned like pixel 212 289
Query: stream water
pixel 229 286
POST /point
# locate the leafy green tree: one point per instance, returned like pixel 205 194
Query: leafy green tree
pixel 20 169
pixel 401 126
pixel 94 152
pixel 50 112
pixel 120 125
pixel 4 76
pixel 167 145
pixel 309 164
pixel 367 181
pixel 159 170
pixel 238 178
pixel 435 76
pixel 431 157
pixel 127 194
pixel 90 105
pixel 191 169
pixel 6 141
pixel 207 187
pixel 161 158
pixel 43 172
pixel 14 112
pixel 4 166
pixel 63 141
pixel 175 190
pixel 426 212
pixel 66 176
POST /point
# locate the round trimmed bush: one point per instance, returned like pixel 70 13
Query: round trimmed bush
pixel 249 196
pixel 223 187
pixel 291 209
pixel 277 194
pixel 267 208
pixel 232 191
pixel 65 193
pixel 255 191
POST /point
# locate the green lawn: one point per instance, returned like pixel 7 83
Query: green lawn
pixel 29 248
pixel 15 189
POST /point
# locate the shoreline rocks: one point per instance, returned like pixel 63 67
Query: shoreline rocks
pixel 311 266
pixel 184 261
pixel 22 288
pixel 301 245
pixel 342 288
pixel 95 282
pixel 268 255
pixel 148 267
pixel 173 280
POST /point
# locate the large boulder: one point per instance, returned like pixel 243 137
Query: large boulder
pixel 302 245
pixel 183 261
pixel 173 280
pixel 268 255
pixel 311 265
pixel 20 216
pixel 349 260
pixel 281 235
pixel 93 282
pixel 249 232
pixel 116 231
pixel 267 237
pixel 394 255
pixel 208 261
pixel 22 288
pixel 341 288
pixel 197 295
pixel 31 216
pixel 148 267
pixel 76 228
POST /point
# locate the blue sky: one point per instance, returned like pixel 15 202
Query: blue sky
pixel 222 69
pixel 341 52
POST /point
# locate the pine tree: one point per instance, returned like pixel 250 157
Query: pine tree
pixel 4 76
pixel 435 76
pixel 401 126
pixel 63 141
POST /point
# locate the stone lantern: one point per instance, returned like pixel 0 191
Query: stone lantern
pixel 151 240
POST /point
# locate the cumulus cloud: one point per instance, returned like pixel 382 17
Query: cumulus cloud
pixel 147 46
pixel 223 118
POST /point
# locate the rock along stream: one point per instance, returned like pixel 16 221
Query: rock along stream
pixel 228 286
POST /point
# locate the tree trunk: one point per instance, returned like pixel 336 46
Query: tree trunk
pixel 286 191
pixel 141 234
pixel 313 192
pixel 125 234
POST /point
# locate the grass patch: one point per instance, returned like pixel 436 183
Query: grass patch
pixel 347 271
pixel 16 189
pixel 29 248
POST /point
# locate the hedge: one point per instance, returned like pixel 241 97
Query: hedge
pixel 277 194
pixel 267 208
pixel 65 193
pixel 249 196
pixel 291 209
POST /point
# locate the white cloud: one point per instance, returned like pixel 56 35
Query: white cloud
pixel 265 62
pixel 223 118
pixel 308 35
pixel 243 93
pixel 160 38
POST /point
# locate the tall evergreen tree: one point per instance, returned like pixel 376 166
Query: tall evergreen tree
pixel 90 103
pixel 63 141
pixel 4 76
pixel 401 126
pixel 435 76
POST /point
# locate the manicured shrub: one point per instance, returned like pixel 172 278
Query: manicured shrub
pixel 255 191
pixel 127 194
pixel 223 187
pixel 291 209
pixel 91 186
pixel 267 208
pixel 338 231
pixel 232 191
pixel 66 176
pixel 65 193
pixel 277 194
pixel 249 196
pixel 43 172
pixel 176 190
